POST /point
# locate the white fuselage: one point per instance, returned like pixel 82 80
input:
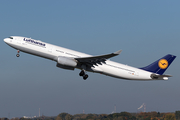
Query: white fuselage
pixel 52 52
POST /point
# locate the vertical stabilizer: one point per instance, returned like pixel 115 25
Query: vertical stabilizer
pixel 160 66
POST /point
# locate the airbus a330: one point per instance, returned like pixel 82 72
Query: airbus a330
pixel 70 59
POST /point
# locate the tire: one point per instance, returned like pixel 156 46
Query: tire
pixel 85 77
pixel 17 55
pixel 81 73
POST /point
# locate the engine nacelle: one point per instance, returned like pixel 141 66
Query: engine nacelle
pixel 65 61
pixel 64 67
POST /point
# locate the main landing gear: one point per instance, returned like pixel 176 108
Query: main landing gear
pixel 17 55
pixel 83 74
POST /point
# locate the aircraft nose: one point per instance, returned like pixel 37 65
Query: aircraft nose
pixel 6 40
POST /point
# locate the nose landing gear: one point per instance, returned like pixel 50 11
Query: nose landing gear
pixel 17 55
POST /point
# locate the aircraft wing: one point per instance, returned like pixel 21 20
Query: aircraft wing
pixel 94 60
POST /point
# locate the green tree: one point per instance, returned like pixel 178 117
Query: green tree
pixel 121 116
pixel 64 116
pixel 4 119
pixel 170 116
pixel 177 113
pixel 126 115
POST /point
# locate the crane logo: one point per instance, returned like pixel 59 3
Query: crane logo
pixel 163 63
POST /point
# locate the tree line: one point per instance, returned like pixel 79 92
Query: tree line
pixel 114 116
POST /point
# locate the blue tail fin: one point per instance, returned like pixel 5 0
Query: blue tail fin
pixel 160 65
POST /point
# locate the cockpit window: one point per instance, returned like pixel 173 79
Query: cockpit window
pixel 11 37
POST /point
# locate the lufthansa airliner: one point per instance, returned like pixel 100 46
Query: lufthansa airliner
pixel 70 59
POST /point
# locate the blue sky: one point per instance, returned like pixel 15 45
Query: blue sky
pixel 144 30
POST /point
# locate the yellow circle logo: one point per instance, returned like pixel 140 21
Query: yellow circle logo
pixel 163 63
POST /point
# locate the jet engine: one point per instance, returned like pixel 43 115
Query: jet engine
pixel 66 63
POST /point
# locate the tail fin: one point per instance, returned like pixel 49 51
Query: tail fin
pixel 160 65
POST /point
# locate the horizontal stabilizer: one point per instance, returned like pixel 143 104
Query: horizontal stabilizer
pixel 160 77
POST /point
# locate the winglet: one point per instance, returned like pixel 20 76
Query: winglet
pixel 118 52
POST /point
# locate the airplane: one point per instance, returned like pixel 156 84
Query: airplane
pixel 70 59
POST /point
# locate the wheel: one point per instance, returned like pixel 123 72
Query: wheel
pixel 81 73
pixel 17 55
pixel 85 77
